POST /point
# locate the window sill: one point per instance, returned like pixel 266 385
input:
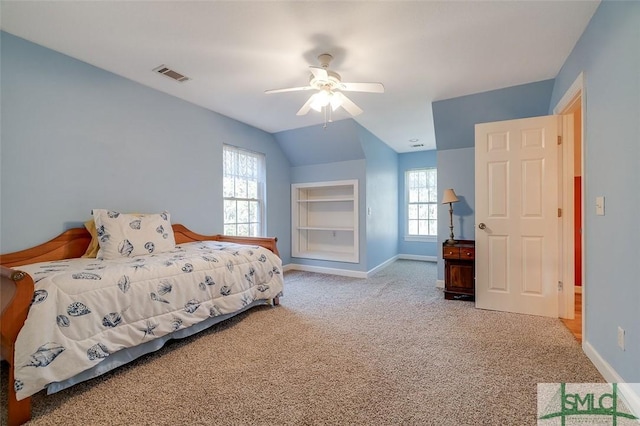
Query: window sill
pixel 421 238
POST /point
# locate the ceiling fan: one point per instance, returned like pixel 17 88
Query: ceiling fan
pixel 329 86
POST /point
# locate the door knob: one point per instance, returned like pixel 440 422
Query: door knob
pixel 482 225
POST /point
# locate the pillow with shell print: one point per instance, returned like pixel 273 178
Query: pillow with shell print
pixel 127 235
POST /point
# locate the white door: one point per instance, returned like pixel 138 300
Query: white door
pixel 517 224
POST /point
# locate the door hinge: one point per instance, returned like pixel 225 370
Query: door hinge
pixel 559 212
pixel 559 140
pixel 560 286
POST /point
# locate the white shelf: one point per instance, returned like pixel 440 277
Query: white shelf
pixel 332 256
pixel 325 221
pixel 327 200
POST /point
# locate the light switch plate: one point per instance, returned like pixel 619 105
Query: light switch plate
pixel 600 206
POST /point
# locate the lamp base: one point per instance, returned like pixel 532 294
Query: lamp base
pixel 450 242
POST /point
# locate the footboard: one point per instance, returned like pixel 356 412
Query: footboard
pixel 17 291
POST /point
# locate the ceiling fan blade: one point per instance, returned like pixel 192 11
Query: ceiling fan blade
pixel 362 87
pixel 306 107
pixel 319 73
pixel 348 104
pixel 289 89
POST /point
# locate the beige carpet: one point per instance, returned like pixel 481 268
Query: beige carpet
pixel 388 350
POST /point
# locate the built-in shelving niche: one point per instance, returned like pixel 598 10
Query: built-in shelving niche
pixel 325 221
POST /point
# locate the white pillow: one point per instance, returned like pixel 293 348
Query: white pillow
pixel 126 235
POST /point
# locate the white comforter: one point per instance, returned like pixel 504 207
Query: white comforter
pixel 85 309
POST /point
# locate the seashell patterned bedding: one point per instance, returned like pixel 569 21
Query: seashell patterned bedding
pixel 85 310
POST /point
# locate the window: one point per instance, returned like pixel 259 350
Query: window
pixel 422 203
pixel 244 189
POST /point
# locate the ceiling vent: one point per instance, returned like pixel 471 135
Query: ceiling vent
pixel 417 145
pixel 168 72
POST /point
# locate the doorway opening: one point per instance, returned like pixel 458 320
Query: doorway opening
pixel 572 112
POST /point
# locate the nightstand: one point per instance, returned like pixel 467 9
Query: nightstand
pixel 459 270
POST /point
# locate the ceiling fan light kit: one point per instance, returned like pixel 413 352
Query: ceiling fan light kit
pixel 324 98
pixel 329 88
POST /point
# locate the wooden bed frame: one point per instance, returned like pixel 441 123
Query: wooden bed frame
pixel 17 289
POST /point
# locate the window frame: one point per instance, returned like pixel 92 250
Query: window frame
pixel 408 203
pixel 261 190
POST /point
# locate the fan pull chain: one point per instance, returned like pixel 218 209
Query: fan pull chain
pixel 325 117
pixel 328 115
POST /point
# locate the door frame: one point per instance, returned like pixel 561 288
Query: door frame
pixel 567 302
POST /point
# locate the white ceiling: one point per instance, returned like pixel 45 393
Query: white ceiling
pixel 422 51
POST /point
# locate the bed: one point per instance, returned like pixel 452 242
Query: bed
pixel 66 318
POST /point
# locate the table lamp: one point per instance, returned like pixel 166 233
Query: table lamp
pixel 450 197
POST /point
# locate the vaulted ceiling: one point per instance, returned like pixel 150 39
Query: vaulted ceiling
pixel 233 51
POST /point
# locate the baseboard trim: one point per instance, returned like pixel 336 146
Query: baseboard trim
pixel 631 396
pixel 417 257
pixel 609 374
pixel 357 274
pixel 287 267
pixel 382 266
pixel 324 270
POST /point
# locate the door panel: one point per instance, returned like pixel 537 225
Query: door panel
pixel 517 200
pixel 498 246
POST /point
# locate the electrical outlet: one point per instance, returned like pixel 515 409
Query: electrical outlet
pixel 621 337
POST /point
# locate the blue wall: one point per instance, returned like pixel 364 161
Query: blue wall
pixel 455 121
pixel 409 161
pixel 609 55
pixel 376 172
pixel 456 169
pixel 75 137
pixel 381 199
pixel 342 170
pixel 312 164
pixel 336 142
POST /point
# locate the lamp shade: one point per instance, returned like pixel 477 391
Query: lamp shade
pixel 449 196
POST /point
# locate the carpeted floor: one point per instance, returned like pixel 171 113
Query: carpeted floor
pixel 388 350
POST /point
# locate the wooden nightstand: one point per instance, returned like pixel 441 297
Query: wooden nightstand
pixel 459 270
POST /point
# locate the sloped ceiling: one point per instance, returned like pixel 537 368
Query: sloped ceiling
pixel 338 141
pixel 233 51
